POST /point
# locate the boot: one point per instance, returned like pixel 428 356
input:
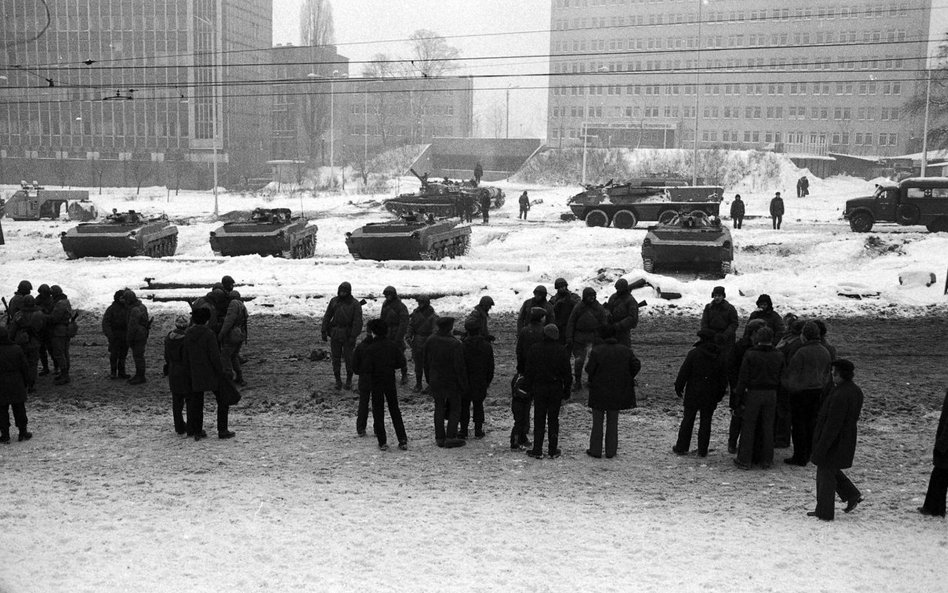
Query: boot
pixel 121 371
pixel 479 430
pixel 348 382
pixel 25 435
pixel 61 379
pixel 138 379
pixel 338 382
pixel 462 432
pixel 113 371
pixel 5 435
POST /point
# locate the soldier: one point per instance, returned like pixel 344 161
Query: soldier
pixel 382 358
pixel 215 301
pixel 342 322
pixel 524 205
pixel 44 300
pixel 623 312
pixel 227 282
pixel 58 321
pixel 115 328
pixel 232 335
pixel 176 369
pixel 421 324
pixel 395 315
pixel 478 173
pixel 480 315
pixel 447 378
pixel 582 331
pixel 16 301
pixel 485 207
pixel 520 402
pixel 136 335
pixel 479 362
pixel 26 332
pixel 563 302
pixel 547 379
pixel 538 300
pixel 14 376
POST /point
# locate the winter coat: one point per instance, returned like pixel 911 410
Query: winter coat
pixel 737 209
pixel 395 315
pixel 15 304
pixel 343 319
pixel 562 308
pixel 481 317
pixel 14 372
pixel 612 368
pixel 380 359
pixel 734 362
pixel 444 364
pixel 721 318
pixel 27 328
pixel 585 322
pixel 137 330
pixel 761 369
pixel 179 380
pixel 773 320
pixel 59 318
pixel 209 302
pixel 202 357
pixel 776 207
pixel 421 324
pixel 115 321
pixel 623 311
pixel 523 319
pixel 940 450
pixel 524 202
pixel 358 363
pixel 547 367
pixel 809 368
pixel 528 336
pixel 236 318
pixel 702 378
pixel 834 437
pixel 479 362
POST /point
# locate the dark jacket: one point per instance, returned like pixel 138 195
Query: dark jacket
pixel 14 372
pixel 721 318
pixel 395 315
pixel 343 319
pixel 115 321
pixel 585 322
pixel 444 364
pixel 380 359
pixel 809 368
pixel 526 338
pixel 210 302
pixel 421 324
pixel 737 209
pixel 547 367
pixel 15 304
pixel 623 311
pixel 236 318
pixel 612 368
pixel 481 317
pixel 358 363
pixel 523 319
pixel 524 201
pixel 834 437
pixel 137 330
pixel 179 379
pixel 58 319
pixel 776 207
pixel 479 362
pixel 940 450
pixel 562 308
pixel 202 356
pixel 27 328
pixel 734 362
pixel 702 378
pixel 761 368
pixel 773 320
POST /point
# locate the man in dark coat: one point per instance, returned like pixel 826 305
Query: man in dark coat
pixel 834 443
pixel 582 331
pixel 44 300
pixel 202 357
pixel 737 212
pixel 381 358
pixel 547 378
pixel 611 371
pixel 232 335
pixel 343 323
pixel 623 312
pixel 765 311
pixel 479 362
pixel 363 384
pixel 115 328
pixel 521 400
pixel 447 379
pixel 934 504
pixel 563 302
pixel 485 207
pixel 215 302
pixel 26 331
pixel 524 202
pixel 176 369
pixel 14 376
pixel 805 379
pixel 421 324
pixel 734 366
pixel 537 300
pixel 701 382
pixel 776 210
pixel 395 315
pixel 803 187
pixel 136 335
pixel 720 317
pixel 23 290
pixel 481 316
pixel 478 173
pixel 757 385
pixel 58 323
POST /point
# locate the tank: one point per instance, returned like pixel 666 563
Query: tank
pixel 410 239
pixel 121 234
pixel 691 241
pixel 34 202
pixel 273 231
pixel 444 198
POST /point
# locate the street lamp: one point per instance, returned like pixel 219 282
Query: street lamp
pixel 214 111
pixel 332 120
pixel 694 166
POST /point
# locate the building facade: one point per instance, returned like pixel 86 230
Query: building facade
pixel 799 76
pixel 124 92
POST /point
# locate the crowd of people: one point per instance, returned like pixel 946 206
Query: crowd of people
pixel 785 384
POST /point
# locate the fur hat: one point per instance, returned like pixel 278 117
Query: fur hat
pixel 445 322
pixel 181 322
pixel 551 331
pixel 717 290
pixel 764 301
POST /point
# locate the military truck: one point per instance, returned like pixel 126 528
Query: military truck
pixel 121 234
pixel 689 241
pixel 410 238
pixel 444 198
pixel 623 205
pixel 34 202
pixel 270 231
pixel 912 201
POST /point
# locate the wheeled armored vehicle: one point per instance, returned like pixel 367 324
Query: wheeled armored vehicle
pixel 444 198
pixel 689 241
pixel 34 202
pixel 270 231
pixel 121 234
pixel 411 238
pixel 623 205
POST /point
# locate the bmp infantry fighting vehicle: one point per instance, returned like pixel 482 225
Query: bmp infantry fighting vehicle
pixel 33 202
pixel 121 234
pixel 623 205
pixel 412 238
pixel 688 241
pixel 444 198
pixel 268 232
pixel 916 200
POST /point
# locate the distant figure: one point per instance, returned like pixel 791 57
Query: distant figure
pixel 737 211
pixel 524 205
pixel 485 207
pixel 803 187
pixel 343 324
pixel 115 328
pixel 478 173
pixel 776 210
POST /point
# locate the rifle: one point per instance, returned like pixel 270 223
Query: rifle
pixel 6 308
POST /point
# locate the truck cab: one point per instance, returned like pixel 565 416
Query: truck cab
pixel 913 201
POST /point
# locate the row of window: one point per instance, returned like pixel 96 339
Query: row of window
pixel 888 88
pixel 794 112
pixel 800 64
pixel 709 15
pixel 395 108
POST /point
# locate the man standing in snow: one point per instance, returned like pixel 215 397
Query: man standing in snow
pixel 58 321
pixel 115 328
pixel 547 379
pixel 563 302
pixel 447 377
pixel 805 379
pixel 720 317
pixel 737 211
pixel 757 391
pixel 623 312
pixel 537 300
pixel 479 362
pixel 343 323
pixel 381 358
pixel 776 210
pixel 202 357
pixel 395 315
pixel 524 205
pixel 582 331
pixel 480 315
pixel 136 334
pixel 421 324
pixel 232 335
pixel 485 207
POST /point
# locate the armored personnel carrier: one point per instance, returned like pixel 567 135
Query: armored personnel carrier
pixel 689 241
pixel 411 238
pixel 121 234
pixel 34 202
pixel 273 231
pixel 444 198
pixel 623 205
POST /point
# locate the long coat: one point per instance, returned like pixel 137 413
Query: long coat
pixel 343 319
pixel 737 209
pixel 773 320
pixel 236 318
pixel 940 451
pixel 809 368
pixel 834 438
pixel 479 362
pixel 421 324
pixel 444 364
pixel 623 311
pixel 179 379
pixel 702 377
pixel 612 368
pixel 14 372
pixel 115 321
pixel 776 207
pixel 202 356
pixel 395 315
pixel 137 330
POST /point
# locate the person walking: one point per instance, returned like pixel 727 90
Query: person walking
pixel 623 312
pixel 421 324
pixel 395 315
pixel 537 300
pixel 806 376
pixel 757 388
pixel 737 212
pixel 934 504
pixel 115 328
pixel 776 210
pixel 343 323
pixel 524 202
pixel 582 331
pixel 447 379
pixel 834 443
pixel 479 362
pixel 58 321
pixel 232 335
pixel 611 372
pixel 14 378
pixel 381 358
pixel 176 369
pixel 701 384
pixel 202 358
pixel 547 378
pixel 136 334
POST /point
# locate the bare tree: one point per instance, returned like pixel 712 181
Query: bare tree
pixel 494 121
pixel 316 23
pixel 381 67
pixel 430 54
pixel 140 171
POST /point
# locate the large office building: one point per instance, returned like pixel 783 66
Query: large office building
pixel 129 92
pixel 798 76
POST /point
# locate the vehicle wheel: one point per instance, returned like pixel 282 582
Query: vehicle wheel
pixel 907 214
pixel 861 222
pixel 939 225
pixel 725 268
pixel 597 218
pixel 71 255
pixel 666 216
pixel 624 219
pixel 648 265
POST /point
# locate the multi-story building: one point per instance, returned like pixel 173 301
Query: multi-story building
pixel 129 92
pixel 806 76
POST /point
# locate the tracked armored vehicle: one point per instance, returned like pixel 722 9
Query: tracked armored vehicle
pixel 691 241
pixel 444 198
pixel 121 234
pixel 410 239
pixel 623 205
pixel 272 231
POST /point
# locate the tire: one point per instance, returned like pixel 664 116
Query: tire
pixel 939 225
pixel 861 222
pixel 648 265
pixel 666 216
pixel 597 217
pixel 907 214
pixel 624 219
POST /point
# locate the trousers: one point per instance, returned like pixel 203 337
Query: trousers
pixel 520 408
pixel 758 417
pixel 546 415
pixel 937 491
pixel 831 481
pixel 611 420
pixel 804 408
pixel 447 414
pixel 379 398
pixel 19 418
pixel 688 425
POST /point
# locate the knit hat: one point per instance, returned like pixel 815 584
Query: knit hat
pixel 181 322
pixel 811 331
pixel 551 331
pixel 717 290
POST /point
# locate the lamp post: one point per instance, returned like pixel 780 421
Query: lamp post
pixel 214 111
pixel 928 98
pixel 694 166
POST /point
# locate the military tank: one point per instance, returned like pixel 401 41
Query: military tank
pixel 121 234
pixel 689 241
pixel 444 198
pixel 411 238
pixel 270 231
pixel 623 205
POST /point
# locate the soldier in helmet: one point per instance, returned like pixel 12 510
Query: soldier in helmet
pixel 582 331
pixel 58 320
pixel 395 315
pixel 44 301
pixel 16 301
pixel 136 335
pixel 421 324
pixel 623 311
pixel 232 335
pixel 115 328
pixel 26 331
pixel 343 323
pixel 480 316
pixel 537 300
